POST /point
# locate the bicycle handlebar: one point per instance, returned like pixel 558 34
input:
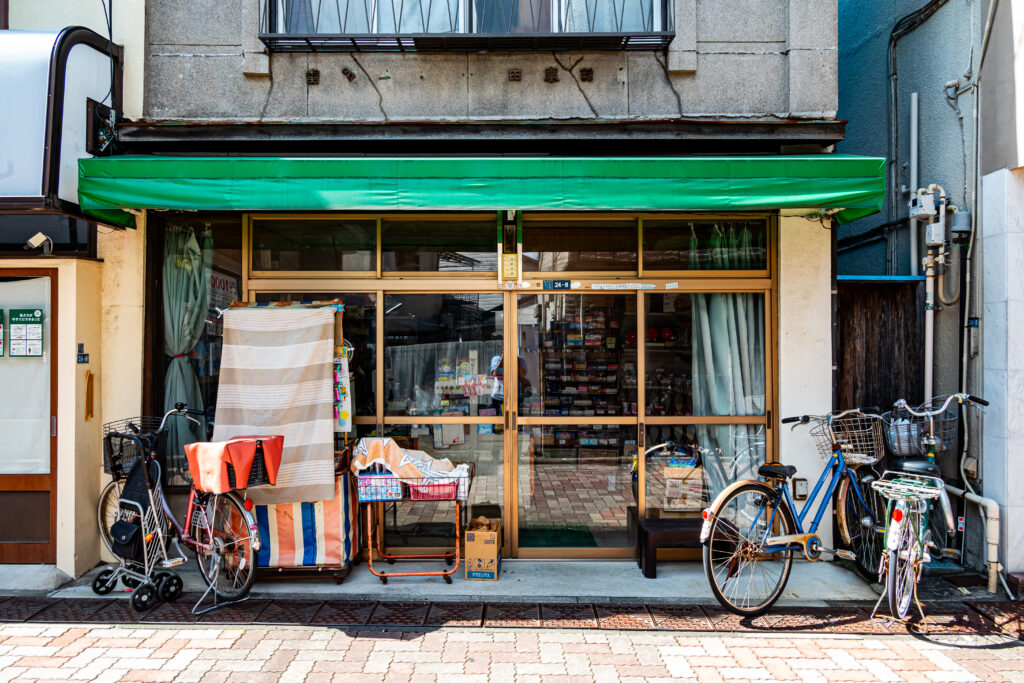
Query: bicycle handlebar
pixel 960 398
pixel 804 419
pixel 181 409
pixel 669 445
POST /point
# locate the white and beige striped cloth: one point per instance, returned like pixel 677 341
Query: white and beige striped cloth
pixel 276 377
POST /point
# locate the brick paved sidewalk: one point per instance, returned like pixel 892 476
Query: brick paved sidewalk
pixel 315 654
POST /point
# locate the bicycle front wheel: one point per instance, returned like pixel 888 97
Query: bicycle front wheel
pixel 226 559
pixel 902 571
pixel 745 579
pixel 106 512
pixel 859 523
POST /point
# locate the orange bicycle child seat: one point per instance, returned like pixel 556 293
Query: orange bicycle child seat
pixel 222 466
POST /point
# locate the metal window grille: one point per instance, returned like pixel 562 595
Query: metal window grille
pixel 442 25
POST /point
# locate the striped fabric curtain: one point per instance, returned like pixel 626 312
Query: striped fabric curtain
pixel 277 377
pixel 318 534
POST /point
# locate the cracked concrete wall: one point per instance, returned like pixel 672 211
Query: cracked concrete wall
pixel 742 59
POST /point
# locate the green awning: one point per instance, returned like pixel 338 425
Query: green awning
pixel 855 185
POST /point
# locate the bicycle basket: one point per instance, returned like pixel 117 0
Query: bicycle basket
pixel 120 454
pixel 859 437
pixel 906 434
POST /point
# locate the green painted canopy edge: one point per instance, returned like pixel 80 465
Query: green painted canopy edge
pixel 852 183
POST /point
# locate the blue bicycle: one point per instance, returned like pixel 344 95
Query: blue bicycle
pixel 752 529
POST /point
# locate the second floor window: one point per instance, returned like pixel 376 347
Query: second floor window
pixel 361 17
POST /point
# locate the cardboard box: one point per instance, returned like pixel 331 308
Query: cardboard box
pixel 483 552
pixel 684 488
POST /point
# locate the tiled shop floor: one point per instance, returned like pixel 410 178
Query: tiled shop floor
pixel 320 653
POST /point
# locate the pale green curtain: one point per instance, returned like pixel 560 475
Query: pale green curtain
pixel 186 303
pixel 728 354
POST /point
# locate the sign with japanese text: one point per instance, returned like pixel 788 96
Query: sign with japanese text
pixel 26 331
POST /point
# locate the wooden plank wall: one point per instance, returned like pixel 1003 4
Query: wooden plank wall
pixel 880 343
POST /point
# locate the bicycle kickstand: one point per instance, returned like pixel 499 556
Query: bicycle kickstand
pixel 210 588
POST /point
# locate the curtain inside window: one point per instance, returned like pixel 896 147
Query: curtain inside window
pixel 728 356
pixel 611 16
pixel 413 372
pixel 25 400
pixel 186 302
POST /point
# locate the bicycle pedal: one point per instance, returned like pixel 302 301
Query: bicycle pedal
pixel 950 554
pixel 166 564
pixel 846 555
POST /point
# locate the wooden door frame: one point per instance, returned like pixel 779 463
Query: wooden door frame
pixel 38 553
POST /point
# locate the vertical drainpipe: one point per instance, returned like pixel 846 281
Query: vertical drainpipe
pixel 913 229
pixel 834 285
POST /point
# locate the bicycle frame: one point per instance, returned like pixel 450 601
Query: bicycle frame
pixel 191 510
pixel 838 468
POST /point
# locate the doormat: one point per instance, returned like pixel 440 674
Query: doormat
pixel 556 537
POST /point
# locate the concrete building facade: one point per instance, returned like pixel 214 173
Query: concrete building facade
pixel 730 85
pixel 955 58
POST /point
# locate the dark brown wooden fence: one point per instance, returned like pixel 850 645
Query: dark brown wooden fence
pixel 880 342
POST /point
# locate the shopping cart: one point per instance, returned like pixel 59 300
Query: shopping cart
pixel 138 533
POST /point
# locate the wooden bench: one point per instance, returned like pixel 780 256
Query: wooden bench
pixel 664 533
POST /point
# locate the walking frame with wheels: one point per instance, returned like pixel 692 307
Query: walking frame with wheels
pixel 909 492
pixel 752 529
pixel 218 527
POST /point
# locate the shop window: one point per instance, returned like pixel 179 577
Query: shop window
pixel 359 326
pixel 431 246
pixel 313 245
pixel 69 236
pixel 577 355
pixel 681 484
pixel 705 245
pixel 575 486
pixel 705 354
pixel 439 350
pixel 565 246
pixel 430 523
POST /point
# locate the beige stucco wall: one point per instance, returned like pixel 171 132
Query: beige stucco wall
pixel 805 343
pixel 78 440
pixel 100 305
pixel 129 31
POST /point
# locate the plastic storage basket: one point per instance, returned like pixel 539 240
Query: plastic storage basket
pixel 378 487
pixel 455 488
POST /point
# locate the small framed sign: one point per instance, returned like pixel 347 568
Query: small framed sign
pixel 26 331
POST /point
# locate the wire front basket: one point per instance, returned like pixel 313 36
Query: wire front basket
pixel 906 488
pixel 859 437
pixel 119 453
pixel 907 435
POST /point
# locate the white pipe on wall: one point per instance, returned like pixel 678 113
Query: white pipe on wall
pixel 912 228
pixel 990 510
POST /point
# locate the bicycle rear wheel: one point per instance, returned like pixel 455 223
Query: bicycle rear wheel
pixel 744 579
pixel 902 571
pixel 227 563
pixel 858 524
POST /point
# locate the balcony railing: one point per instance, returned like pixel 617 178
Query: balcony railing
pixel 464 25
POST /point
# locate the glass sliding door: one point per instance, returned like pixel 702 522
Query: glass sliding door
pixel 577 426
pixel 444 393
